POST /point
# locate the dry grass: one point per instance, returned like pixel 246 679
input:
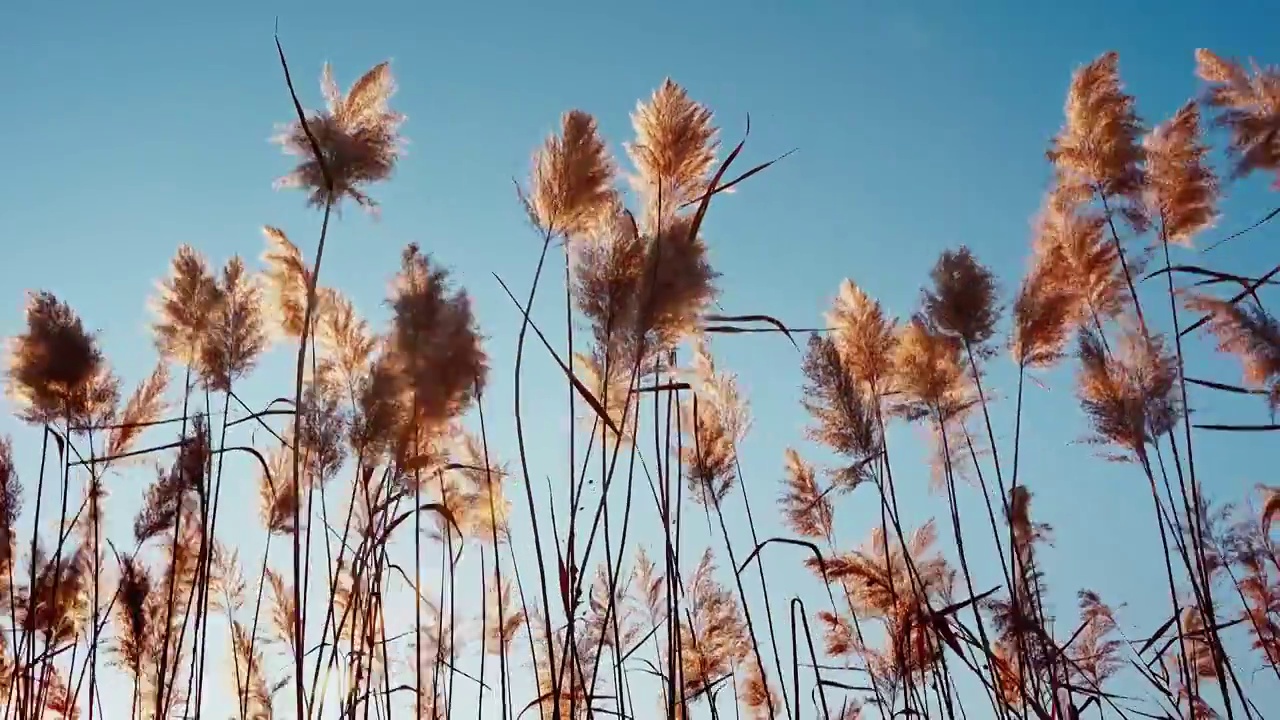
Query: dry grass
pixel 406 595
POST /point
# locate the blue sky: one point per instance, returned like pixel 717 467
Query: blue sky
pixel 134 127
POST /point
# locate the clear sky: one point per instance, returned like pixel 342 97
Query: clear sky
pixel 129 128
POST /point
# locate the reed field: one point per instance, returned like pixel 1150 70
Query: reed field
pixel 365 527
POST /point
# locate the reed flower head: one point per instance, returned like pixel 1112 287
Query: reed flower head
pixel 806 508
pixel 53 365
pixel 962 301
pixel 235 338
pixel 185 308
pixel 277 493
pixel 1044 312
pixel 607 272
pixel 1249 107
pixel 642 293
pixel 928 371
pixel 504 619
pixel 844 411
pixel 1128 396
pixel 482 508
pixel 381 418
pixel 10 507
pixel 344 337
pixel 715 637
pixel 863 336
pixel 882 584
pixel 1069 239
pixel 610 384
pixel 716 421
pixel 253 697
pixel 358 136
pixel 435 343
pixel 173 490
pixel 678 284
pixel 62 598
pixel 757 694
pixel 1097 150
pixel 133 647
pixel 572 184
pixel 323 428
pixel 1252 335
pixel 1095 655
pixel 673 153
pixel 144 406
pixel 1182 191
pixel 287 277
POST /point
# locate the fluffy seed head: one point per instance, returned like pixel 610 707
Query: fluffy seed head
pixel 358 136
pixel 53 365
pixel 1182 191
pixel 1248 106
pixel 435 340
pixel 572 183
pixel 184 308
pixel 1097 150
pixel 673 153
pixel 235 338
pixel 863 335
pixel 962 301
pixel 1127 395
pixel 287 276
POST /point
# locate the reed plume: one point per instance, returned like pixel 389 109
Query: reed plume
pixel 252 693
pixel 52 366
pixel 358 137
pixel 484 509
pixel 642 293
pixel 1044 312
pixel 287 276
pixel 845 413
pixel 344 338
pixel 716 423
pixel 145 406
pixel 928 371
pixel 880 584
pixel 10 509
pixel 1096 651
pixel 1252 335
pixel 679 285
pixel 1128 396
pixel 185 308
pixel 1248 104
pixel 757 694
pixel 234 338
pixel 133 638
pixel 609 382
pixel 504 619
pixel 806 508
pixel 1069 238
pixel 434 342
pixel 278 497
pixel 1098 149
pixel 324 430
pixel 863 336
pixel 1182 191
pixel 714 639
pixel 673 153
pixel 173 490
pixel 962 301
pixel 381 415
pixel 572 181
